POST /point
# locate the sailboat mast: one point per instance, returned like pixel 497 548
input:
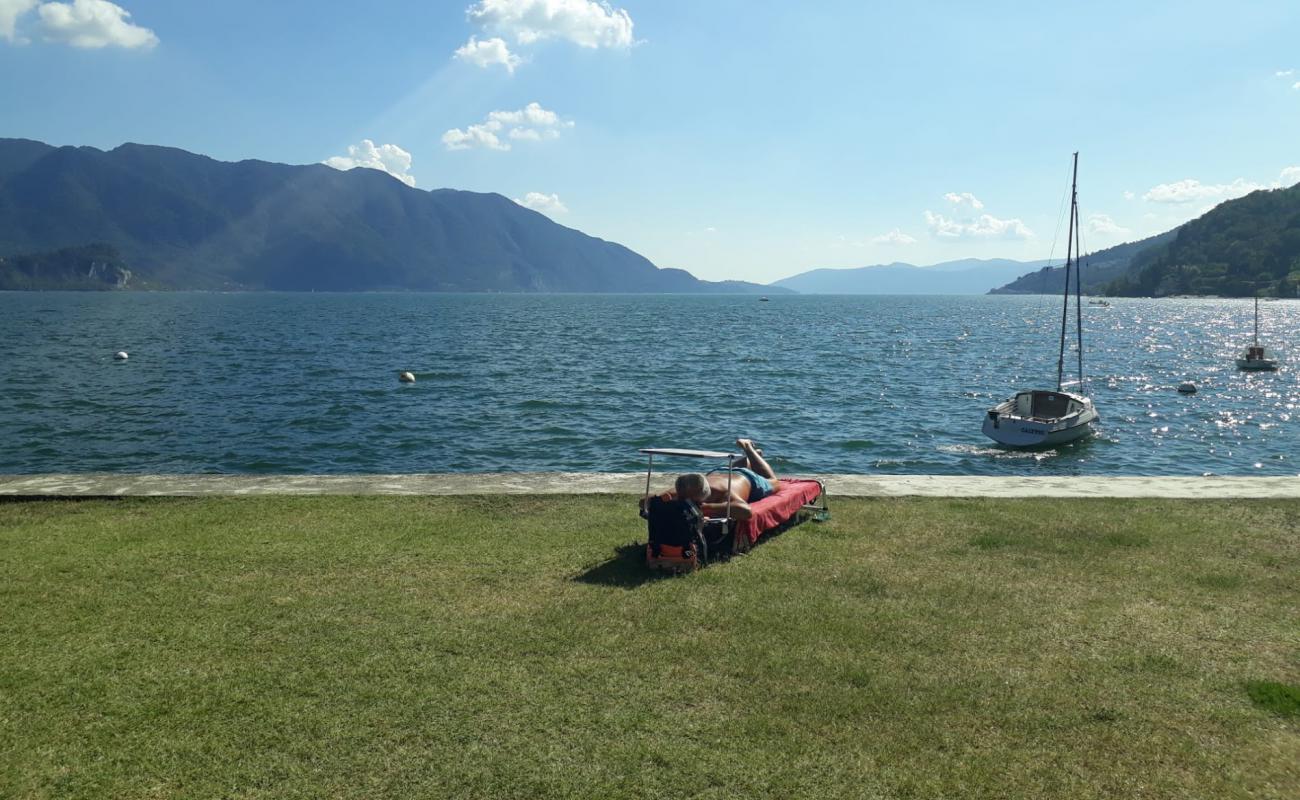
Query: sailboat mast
pixel 1257 319
pixel 1069 250
pixel 1078 285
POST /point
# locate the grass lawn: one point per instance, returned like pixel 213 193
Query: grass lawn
pixel 512 647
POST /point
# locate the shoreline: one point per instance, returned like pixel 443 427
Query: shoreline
pixel 633 483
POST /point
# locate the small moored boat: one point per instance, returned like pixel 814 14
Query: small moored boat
pixel 1256 357
pixel 1043 418
pixel 1040 418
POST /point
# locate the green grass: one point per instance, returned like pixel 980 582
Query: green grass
pixel 1280 698
pixel 513 647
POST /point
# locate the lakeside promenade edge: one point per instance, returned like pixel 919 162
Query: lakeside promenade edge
pixel 559 483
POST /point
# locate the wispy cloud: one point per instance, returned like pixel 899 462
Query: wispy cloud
pixel 385 157
pixel 964 199
pixel 93 24
pixel 1284 73
pixel 486 52
pixel 963 224
pixel 1103 225
pixel 985 226
pixel 10 11
pixel 895 237
pixel 89 24
pixel 1190 190
pixel 582 22
pixel 530 123
pixel 548 204
pixel 524 22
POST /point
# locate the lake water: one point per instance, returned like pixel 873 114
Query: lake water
pixel 307 383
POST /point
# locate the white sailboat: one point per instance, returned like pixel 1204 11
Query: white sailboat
pixel 1041 417
pixel 1256 356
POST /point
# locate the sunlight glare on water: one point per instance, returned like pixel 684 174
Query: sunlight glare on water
pixel 303 383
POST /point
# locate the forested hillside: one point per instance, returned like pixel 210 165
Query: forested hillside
pixel 1242 247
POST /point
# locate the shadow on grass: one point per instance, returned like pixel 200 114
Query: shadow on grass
pixel 626 570
pixel 59 498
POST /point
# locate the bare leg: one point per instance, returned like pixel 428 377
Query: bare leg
pixel 757 463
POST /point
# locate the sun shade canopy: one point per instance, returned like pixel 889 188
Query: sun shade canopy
pixel 672 451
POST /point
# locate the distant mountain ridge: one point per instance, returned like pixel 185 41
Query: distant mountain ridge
pixel 179 220
pixel 964 276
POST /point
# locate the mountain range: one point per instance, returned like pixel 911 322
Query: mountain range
pixel 142 216
pixel 966 276
pixel 177 220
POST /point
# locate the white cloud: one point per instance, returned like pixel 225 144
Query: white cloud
pixel 965 198
pixel 530 134
pixel 985 226
pixel 92 24
pixel 548 204
pixel 1129 195
pixel 10 11
pixel 385 157
pixel 1103 225
pixel 582 22
pixel 894 237
pixel 531 114
pixel 530 123
pixel 1284 73
pixel 486 52
pixel 1190 190
pixel 1296 85
pixel 971 225
pixel 473 136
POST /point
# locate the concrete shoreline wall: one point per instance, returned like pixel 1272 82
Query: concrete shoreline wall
pixel 565 483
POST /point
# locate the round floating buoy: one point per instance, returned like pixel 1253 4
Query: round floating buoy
pixel 120 355
pixel 406 377
pixel 1187 387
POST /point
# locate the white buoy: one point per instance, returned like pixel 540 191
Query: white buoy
pixel 406 377
pixel 1187 387
pixel 120 355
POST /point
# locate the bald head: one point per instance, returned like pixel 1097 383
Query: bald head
pixel 693 486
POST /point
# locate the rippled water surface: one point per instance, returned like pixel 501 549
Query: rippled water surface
pixel 248 383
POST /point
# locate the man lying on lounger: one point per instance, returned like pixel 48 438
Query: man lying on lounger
pixel 752 479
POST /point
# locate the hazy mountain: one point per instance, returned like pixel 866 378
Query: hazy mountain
pixel 180 220
pixel 1100 269
pixel 1237 249
pixel 967 276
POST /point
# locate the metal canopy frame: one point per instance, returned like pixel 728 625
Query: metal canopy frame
pixel 675 452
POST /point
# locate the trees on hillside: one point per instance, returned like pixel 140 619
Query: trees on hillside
pixel 1240 248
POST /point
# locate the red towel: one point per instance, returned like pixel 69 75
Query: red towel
pixel 775 509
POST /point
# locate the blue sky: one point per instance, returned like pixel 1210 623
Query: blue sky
pixel 734 139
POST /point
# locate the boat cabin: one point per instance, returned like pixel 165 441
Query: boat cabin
pixel 1044 405
pixel 1255 353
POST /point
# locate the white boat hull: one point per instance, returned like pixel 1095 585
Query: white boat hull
pixel 1015 427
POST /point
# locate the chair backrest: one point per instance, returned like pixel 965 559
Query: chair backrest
pixel 673 522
